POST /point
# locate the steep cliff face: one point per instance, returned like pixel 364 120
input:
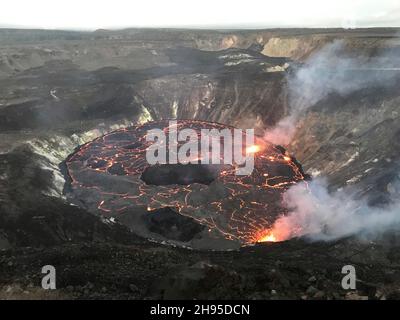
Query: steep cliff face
pixel 302 46
pixel 237 100
pixel 294 47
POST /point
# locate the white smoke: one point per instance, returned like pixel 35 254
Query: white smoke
pixel 319 215
pixel 283 132
pixel 331 70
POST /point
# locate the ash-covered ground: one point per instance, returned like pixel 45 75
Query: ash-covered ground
pixel 338 91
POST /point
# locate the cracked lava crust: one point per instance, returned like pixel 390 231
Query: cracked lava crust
pixel 195 205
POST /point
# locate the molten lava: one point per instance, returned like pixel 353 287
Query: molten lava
pixel 110 176
pixel 253 149
pixel 269 237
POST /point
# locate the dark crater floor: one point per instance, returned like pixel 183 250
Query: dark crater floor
pixel 183 174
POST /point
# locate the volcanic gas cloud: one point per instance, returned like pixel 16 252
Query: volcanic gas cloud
pixel 110 176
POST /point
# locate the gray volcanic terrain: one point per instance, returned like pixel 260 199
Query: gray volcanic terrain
pixel 327 99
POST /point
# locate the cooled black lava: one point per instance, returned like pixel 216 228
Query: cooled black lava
pixel 184 174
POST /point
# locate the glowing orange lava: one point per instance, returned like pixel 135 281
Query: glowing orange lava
pixel 280 231
pixel 269 237
pixel 253 149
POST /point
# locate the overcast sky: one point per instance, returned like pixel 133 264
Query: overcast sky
pixel 95 14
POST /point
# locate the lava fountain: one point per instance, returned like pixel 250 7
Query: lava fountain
pixel 181 203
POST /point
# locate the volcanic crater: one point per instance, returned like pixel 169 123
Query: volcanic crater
pixel 81 89
pixel 196 205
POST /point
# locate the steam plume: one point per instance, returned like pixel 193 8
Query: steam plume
pixel 330 70
pixel 319 215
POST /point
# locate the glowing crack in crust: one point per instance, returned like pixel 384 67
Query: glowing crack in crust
pixel 106 178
